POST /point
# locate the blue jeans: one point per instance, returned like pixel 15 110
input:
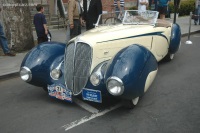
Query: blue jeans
pixel 3 40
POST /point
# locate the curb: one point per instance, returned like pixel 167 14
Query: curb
pixel 9 76
pixel 191 33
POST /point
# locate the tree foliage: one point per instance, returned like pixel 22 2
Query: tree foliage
pixel 186 7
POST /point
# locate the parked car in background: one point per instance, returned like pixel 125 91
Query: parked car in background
pixel 118 58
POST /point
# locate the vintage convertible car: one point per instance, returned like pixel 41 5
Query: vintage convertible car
pixel 118 58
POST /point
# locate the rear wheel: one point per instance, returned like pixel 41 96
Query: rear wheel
pixel 169 57
pixel 45 88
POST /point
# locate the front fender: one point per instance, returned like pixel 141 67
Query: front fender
pixel 41 59
pixel 132 65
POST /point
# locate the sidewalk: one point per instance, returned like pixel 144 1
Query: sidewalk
pixel 10 66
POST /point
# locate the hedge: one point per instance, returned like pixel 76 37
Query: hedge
pixel 185 7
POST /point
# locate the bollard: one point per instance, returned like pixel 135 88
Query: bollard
pixel 188 41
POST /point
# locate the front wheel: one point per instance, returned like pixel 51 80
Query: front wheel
pixel 169 57
pixel 131 103
pixel 45 88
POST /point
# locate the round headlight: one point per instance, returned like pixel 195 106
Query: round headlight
pixel 95 79
pixel 115 86
pixel 55 74
pixel 25 74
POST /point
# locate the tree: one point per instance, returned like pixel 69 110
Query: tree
pixel 16 19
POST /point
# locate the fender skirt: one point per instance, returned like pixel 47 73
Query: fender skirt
pixel 132 65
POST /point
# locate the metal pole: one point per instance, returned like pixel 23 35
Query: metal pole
pixel 175 12
pixel 189 25
pixel 188 41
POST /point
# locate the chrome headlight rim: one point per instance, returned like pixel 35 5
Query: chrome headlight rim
pixel 99 77
pixel 120 83
pixel 28 72
pixel 58 71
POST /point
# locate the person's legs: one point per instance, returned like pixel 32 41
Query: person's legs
pixel 162 16
pixel 162 11
pixel 3 41
pixel 76 30
pixel 68 33
pixel 198 14
pixel 42 39
pixel 79 28
pixel 117 12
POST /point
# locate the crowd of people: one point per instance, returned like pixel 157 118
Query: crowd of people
pixel 84 13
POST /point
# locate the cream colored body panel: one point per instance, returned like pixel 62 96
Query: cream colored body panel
pixel 160 44
pixel 106 41
pixel 150 79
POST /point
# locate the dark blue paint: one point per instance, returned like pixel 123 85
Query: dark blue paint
pixel 132 65
pixel 175 38
pixel 43 58
pixel 102 85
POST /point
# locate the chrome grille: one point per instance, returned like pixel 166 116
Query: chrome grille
pixel 77 66
pixel 69 65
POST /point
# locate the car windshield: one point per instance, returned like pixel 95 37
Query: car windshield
pixel 128 17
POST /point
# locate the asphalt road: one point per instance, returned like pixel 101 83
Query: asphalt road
pixel 171 105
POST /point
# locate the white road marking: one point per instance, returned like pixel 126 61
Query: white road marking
pixel 85 106
pixel 86 118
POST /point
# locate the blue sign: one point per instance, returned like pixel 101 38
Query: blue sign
pixel 92 95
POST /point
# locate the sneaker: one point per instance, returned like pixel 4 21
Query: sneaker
pixel 10 54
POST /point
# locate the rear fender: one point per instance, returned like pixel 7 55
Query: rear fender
pixel 175 39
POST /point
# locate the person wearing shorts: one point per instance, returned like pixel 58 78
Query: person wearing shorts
pixel 162 8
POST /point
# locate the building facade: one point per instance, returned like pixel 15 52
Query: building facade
pixel 108 4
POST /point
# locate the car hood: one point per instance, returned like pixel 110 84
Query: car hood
pixel 113 32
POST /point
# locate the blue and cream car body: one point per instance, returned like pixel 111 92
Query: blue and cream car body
pixel 114 60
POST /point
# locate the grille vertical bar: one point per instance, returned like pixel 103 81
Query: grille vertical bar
pixel 69 65
pixel 78 66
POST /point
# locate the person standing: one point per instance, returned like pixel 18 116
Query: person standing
pixel 40 24
pixel 162 8
pixel 74 16
pixel 92 10
pixel 119 7
pixel 4 42
pixel 142 5
pixel 197 10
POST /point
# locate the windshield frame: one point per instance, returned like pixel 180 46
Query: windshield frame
pixel 145 17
